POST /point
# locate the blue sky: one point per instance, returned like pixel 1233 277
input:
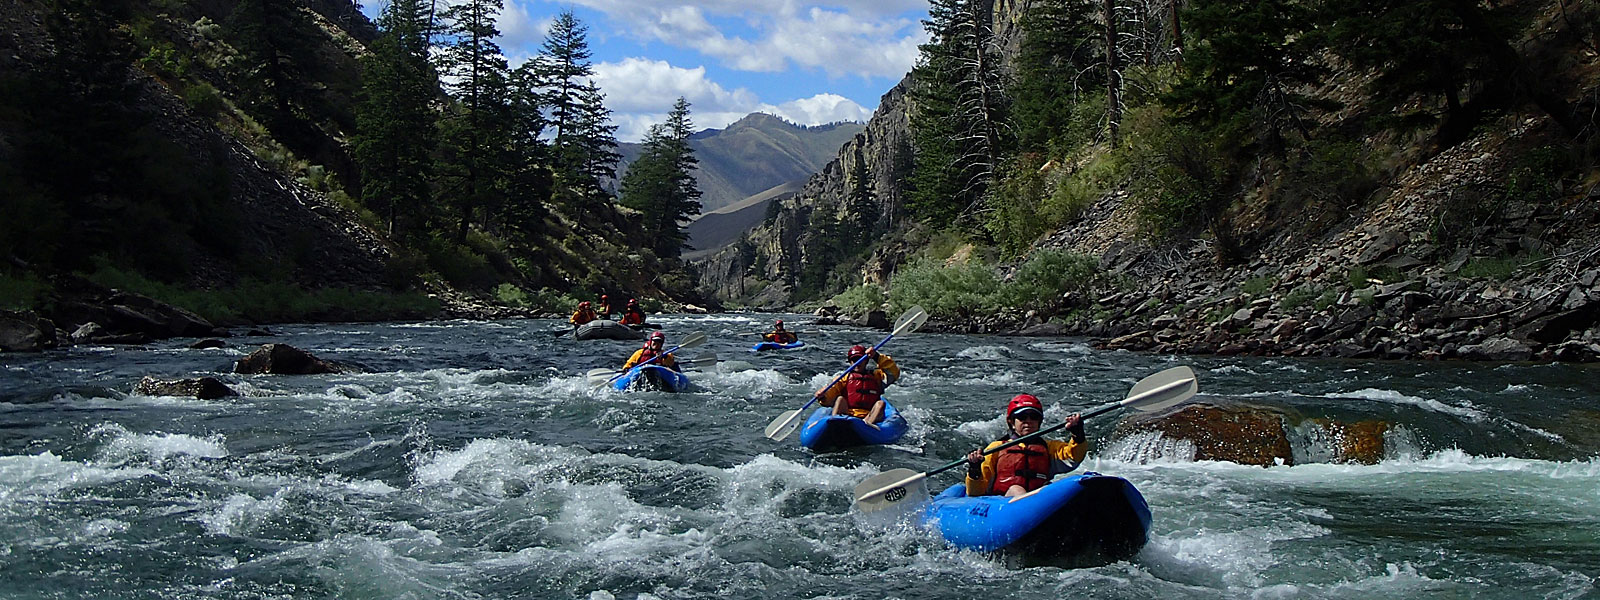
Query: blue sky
pixel 810 62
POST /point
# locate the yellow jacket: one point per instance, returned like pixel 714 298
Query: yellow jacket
pixel 669 361
pixel 1064 456
pixel 887 372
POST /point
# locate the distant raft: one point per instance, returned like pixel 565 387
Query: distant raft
pixel 765 346
pixel 1079 520
pixel 652 377
pixel 603 329
pixel 825 431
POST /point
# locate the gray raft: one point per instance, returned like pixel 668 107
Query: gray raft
pixel 603 329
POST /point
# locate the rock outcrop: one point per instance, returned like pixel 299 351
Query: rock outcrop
pixel 204 388
pixel 26 332
pixel 283 359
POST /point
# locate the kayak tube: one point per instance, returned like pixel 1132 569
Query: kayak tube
pixel 764 346
pixel 823 431
pixel 602 329
pixel 1079 520
pixel 654 377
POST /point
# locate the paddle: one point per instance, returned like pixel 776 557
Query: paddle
pixel 789 421
pixel 694 339
pixel 1156 392
pixel 699 362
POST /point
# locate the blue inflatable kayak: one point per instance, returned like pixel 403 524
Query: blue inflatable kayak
pixel 1084 519
pixel 764 346
pixel 654 377
pixel 824 431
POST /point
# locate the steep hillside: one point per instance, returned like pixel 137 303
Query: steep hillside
pixel 1358 214
pixel 755 153
pixel 713 230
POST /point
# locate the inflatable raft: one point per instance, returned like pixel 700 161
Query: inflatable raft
pixel 602 329
pixel 1080 520
pixel 654 377
pixel 765 346
pixel 823 431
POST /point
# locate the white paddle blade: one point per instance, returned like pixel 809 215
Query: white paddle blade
pixel 898 488
pixel 782 426
pixel 700 362
pixel 694 339
pixel 1163 390
pixel 912 319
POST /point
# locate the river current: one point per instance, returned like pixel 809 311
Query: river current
pixel 473 460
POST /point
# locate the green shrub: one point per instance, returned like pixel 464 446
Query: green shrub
pixel 860 299
pixel 22 293
pixel 1499 268
pixel 460 266
pixel 548 300
pixel 510 295
pixel 957 291
pixel 1366 296
pixel 273 301
pixel 1358 277
pixel 1256 286
pixel 1299 297
pixel 1040 281
pixel 1326 300
pixel 204 99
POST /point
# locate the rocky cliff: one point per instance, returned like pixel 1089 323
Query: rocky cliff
pixel 764 267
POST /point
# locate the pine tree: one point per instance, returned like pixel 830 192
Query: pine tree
pixel 661 184
pixel 275 39
pixel 395 121
pixel 1056 65
pixel 584 143
pixel 1243 75
pixel 477 128
pixel 959 111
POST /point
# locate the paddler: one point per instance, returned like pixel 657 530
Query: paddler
pixel 860 393
pixel 1024 467
pixel 780 335
pixel 632 315
pixel 583 315
pixel 605 307
pixel 652 349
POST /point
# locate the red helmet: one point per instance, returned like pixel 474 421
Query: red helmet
pixel 779 324
pixel 856 351
pixel 657 336
pixel 584 304
pixel 1024 402
pixel 602 296
pixel 633 302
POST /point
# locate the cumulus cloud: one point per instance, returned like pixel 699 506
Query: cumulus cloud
pixel 867 38
pixel 640 91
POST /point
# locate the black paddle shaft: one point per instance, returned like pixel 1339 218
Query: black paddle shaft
pixel 1027 438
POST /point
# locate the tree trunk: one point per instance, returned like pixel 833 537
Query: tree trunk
pixel 1113 72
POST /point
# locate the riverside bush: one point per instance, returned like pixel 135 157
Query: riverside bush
pixel 973 289
pixel 860 299
pixel 256 301
pixel 21 293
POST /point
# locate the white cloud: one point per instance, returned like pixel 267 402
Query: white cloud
pixel 640 92
pixel 867 38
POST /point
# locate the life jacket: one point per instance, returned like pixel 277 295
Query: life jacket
pixel 781 337
pixel 645 354
pixel 1027 465
pixel 633 316
pixel 583 315
pixel 862 390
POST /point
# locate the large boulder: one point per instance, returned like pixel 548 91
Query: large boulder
pixel 1244 434
pixel 283 359
pixel 120 314
pixel 204 388
pixel 1497 349
pixel 25 332
pixel 875 319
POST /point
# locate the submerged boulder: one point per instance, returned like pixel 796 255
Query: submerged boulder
pixel 283 359
pixel 204 388
pixel 1244 434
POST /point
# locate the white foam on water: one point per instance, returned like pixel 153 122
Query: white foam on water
pixel 763 383
pixel 239 512
pixel 1466 410
pixel 985 353
pixel 1232 557
pixel 26 478
pixel 1231 370
pixel 122 446
pixel 1077 348
pixel 1146 447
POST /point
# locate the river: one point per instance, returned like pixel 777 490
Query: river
pixel 472 460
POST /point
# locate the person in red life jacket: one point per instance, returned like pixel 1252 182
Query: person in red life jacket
pixel 604 311
pixel 583 315
pixel 632 315
pixel 860 393
pixel 652 349
pixel 1024 467
pixel 780 335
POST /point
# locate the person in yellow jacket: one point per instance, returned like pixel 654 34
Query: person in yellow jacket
pixel 583 315
pixel 860 392
pixel 652 349
pixel 1024 468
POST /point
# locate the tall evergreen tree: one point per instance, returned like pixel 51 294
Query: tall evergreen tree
pixel 396 133
pixel 1055 67
pixel 477 128
pixel 661 182
pixel 959 111
pixel 584 143
pixel 275 39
